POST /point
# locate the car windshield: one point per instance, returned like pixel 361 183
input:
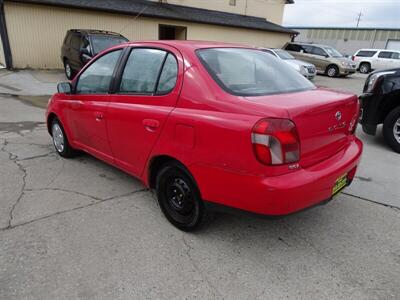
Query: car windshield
pixel 284 55
pixel 249 72
pixel 102 42
pixel 333 52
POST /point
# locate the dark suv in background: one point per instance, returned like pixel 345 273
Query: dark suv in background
pixel 80 45
pixel 380 104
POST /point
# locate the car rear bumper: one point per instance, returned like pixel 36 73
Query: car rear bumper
pixel 279 195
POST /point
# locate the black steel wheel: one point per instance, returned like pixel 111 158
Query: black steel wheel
pixel 179 197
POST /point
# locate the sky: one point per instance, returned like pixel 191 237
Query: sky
pixel 343 13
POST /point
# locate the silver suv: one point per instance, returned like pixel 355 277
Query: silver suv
pixel 326 59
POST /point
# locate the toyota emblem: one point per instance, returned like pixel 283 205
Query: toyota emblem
pixel 338 115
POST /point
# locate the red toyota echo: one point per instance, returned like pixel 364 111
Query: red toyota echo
pixel 209 124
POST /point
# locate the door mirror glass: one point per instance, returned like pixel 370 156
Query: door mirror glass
pixel 64 88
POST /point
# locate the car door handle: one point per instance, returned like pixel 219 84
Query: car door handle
pixel 151 124
pixel 99 116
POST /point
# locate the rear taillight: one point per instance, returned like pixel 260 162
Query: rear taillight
pixel 353 58
pixel 276 142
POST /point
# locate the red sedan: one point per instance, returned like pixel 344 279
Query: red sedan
pixel 208 124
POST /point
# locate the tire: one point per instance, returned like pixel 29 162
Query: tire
pixel 179 198
pixel 69 72
pixel 365 68
pixel 60 140
pixel 391 129
pixel 332 71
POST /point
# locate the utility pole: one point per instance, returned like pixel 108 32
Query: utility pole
pixel 359 18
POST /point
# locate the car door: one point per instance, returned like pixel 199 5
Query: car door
pixel 384 60
pixel 87 106
pixel 395 60
pixel 319 57
pixel 147 92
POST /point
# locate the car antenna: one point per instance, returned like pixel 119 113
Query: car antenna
pixel 137 16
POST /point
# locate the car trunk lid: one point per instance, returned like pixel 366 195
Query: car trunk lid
pixel 322 119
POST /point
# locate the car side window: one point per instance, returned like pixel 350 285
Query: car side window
pixel 168 76
pixel 141 71
pixel 293 47
pixel 364 53
pixel 395 55
pixel 85 44
pixel 96 79
pixel 307 49
pixel 318 51
pixel 385 54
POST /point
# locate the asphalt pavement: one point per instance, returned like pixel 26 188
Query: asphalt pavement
pixel 80 229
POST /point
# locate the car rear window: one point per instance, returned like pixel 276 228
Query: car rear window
pixel 365 53
pixel 102 42
pixel 250 72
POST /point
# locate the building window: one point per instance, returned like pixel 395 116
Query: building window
pixel 232 2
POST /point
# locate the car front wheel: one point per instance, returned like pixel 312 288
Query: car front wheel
pixel 332 71
pixel 60 140
pixel 391 129
pixel 179 197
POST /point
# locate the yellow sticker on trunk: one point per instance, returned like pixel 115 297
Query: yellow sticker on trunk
pixel 340 184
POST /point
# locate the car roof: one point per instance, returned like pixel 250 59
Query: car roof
pixel 95 31
pixel 191 44
pixel 390 50
pixel 311 44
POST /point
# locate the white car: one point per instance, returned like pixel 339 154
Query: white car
pixel 376 59
pixel 306 69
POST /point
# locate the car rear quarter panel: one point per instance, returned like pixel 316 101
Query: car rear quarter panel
pixel 210 133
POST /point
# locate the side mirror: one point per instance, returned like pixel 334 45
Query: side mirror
pixel 64 88
pixel 326 55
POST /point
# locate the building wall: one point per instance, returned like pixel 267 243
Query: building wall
pixel 2 59
pixel 272 10
pixel 36 32
pixel 348 41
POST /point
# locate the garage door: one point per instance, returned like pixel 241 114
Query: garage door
pixel 393 45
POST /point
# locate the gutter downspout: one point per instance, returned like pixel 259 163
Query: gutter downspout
pixel 4 37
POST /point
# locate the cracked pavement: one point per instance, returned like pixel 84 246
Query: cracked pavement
pixel 80 229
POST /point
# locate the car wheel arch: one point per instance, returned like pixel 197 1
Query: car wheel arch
pixel 332 65
pixel 156 163
pixel 50 119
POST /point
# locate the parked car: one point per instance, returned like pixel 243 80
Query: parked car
pixel 80 45
pixel 327 59
pixel 306 69
pixel 368 60
pixel 380 103
pixel 208 124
